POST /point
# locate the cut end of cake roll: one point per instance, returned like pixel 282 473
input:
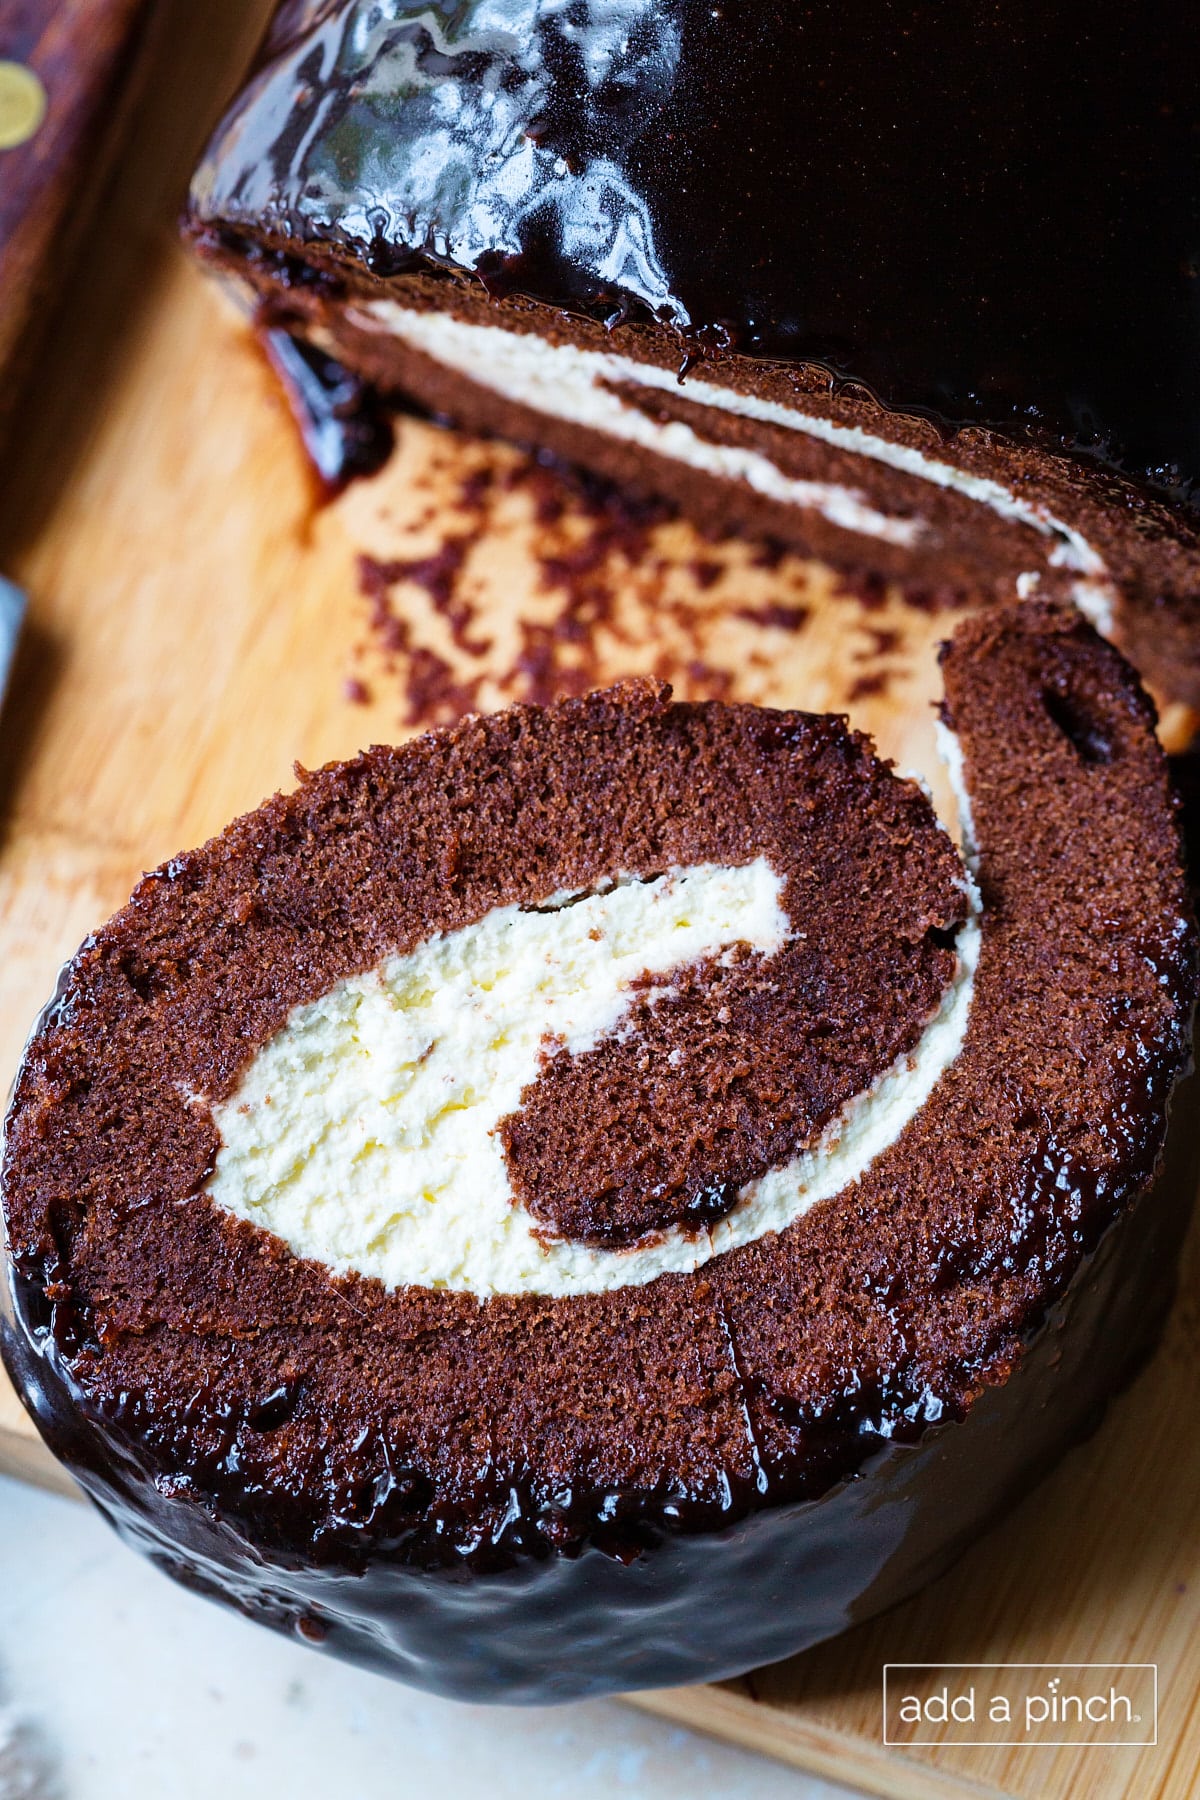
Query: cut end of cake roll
pixel 603 235
pixel 510 1159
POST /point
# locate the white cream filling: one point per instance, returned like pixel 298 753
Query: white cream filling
pixel 565 382
pixel 364 1133
pixel 950 751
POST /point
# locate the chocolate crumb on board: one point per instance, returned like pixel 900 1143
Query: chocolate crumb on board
pixel 612 585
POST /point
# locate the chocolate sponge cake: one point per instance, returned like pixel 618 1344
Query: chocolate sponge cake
pixel 606 1195
pixel 914 292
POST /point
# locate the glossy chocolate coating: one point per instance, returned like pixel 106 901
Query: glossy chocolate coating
pixel 346 429
pixel 697 1607
pixel 990 214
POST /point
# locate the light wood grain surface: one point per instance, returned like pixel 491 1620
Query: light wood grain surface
pixel 197 624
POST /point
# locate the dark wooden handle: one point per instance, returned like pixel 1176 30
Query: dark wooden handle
pixel 63 68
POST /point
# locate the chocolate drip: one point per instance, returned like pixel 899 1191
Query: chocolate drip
pixel 347 430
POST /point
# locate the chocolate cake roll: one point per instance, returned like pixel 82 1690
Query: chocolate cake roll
pixel 606 1195
pixel 914 292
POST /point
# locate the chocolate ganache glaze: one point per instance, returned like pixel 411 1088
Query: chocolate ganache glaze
pixel 991 214
pixel 537 1491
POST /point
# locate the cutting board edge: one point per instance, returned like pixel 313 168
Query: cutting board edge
pixel 818 1749
pixel 24 1457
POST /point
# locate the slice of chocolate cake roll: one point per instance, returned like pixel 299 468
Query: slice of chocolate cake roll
pixel 607 1195
pixel 914 292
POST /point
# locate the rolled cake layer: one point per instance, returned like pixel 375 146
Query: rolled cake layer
pixel 532 1170
pixel 929 312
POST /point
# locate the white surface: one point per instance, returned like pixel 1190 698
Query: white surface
pixel 117 1685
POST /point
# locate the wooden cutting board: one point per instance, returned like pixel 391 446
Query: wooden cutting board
pixel 198 622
